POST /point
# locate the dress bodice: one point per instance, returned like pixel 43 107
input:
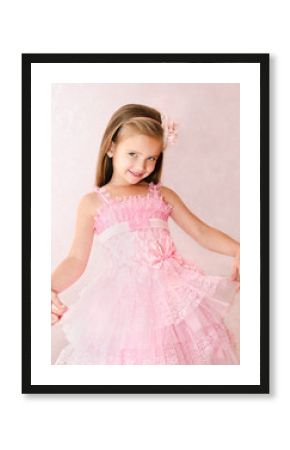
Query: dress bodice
pixel 130 212
pixel 135 228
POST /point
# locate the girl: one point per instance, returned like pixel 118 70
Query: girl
pixel 147 304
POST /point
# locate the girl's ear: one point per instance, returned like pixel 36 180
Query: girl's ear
pixel 111 150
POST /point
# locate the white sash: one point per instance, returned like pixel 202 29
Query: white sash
pixel 122 227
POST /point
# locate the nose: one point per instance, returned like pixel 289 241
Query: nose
pixel 140 167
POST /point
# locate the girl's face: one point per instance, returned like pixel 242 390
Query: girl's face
pixel 134 158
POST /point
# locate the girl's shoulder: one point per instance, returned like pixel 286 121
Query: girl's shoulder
pixel 174 199
pixel 90 203
pixel 168 194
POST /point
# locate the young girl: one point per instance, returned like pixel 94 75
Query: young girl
pixel 147 304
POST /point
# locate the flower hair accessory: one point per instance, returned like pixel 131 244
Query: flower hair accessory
pixel 170 130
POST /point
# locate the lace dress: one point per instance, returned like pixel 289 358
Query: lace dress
pixel 147 304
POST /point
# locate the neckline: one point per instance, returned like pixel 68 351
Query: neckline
pixel 117 198
pixel 113 200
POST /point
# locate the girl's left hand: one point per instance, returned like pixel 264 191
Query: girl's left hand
pixel 236 270
pixel 57 308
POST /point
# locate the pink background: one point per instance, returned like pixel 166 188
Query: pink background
pixel 202 167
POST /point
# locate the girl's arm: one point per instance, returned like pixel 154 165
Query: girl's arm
pixel 206 236
pixel 72 267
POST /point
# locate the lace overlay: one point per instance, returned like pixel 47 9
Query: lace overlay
pixel 148 304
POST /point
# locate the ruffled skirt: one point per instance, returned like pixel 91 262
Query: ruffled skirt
pixel 143 315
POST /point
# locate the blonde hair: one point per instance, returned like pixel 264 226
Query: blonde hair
pixel 128 120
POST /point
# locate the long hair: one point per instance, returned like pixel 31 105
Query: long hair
pixel 127 120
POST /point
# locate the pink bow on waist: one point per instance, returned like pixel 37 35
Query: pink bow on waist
pixel 157 251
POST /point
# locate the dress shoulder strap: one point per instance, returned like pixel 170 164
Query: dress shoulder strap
pixel 155 188
pixel 102 193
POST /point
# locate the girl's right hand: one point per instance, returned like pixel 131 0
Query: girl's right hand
pixel 57 308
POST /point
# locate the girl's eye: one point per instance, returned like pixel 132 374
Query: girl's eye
pixel 152 158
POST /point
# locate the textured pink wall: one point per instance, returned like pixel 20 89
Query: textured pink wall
pixel 202 167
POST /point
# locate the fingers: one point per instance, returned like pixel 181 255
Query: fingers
pixel 234 275
pixel 57 306
pixel 56 301
pixel 235 272
pixel 56 314
pixel 54 318
pixel 59 310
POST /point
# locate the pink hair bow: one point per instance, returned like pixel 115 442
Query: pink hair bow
pixel 170 130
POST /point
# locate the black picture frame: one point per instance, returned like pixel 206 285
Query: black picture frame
pixel 262 59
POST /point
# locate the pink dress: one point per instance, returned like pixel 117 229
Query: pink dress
pixel 147 304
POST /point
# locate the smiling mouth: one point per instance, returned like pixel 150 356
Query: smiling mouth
pixel 136 174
